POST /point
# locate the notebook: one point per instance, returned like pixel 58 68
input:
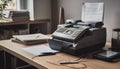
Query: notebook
pixel 30 38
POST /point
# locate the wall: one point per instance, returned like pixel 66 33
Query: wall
pixel 42 9
pixel 73 8
pixel 54 15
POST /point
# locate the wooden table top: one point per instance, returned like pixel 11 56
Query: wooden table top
pixel 52 62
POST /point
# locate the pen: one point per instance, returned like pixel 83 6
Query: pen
pixel 47 53
pixel 69 62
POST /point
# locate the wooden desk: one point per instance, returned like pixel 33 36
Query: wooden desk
pixel 42 62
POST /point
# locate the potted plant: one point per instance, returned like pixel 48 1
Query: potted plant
pixel 3 5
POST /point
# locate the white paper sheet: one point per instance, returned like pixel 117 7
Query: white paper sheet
pixel 39 49
pixel 92 12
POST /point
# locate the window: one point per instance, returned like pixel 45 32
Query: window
pixel 11 5
pixel 17 5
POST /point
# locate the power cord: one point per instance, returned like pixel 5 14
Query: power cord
pixel 67 63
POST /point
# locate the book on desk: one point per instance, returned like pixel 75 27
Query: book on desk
pixel 30 39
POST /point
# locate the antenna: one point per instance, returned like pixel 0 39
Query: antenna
pixel 61 16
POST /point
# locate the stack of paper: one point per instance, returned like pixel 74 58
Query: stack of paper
pixel 30 38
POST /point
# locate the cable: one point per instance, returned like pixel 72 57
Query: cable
pixel 66 65
pixel 70 62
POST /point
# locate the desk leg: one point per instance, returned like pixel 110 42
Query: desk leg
pixel 4 60
pixel 28 27
pixel 13 62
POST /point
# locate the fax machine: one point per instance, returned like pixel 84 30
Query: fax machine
pixel 77 39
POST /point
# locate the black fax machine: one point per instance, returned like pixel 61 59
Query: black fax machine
pixel 78 39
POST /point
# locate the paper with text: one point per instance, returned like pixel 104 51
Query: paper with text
pixel 39 49
pixel 92 12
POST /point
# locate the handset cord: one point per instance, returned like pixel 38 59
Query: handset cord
pixel 84 65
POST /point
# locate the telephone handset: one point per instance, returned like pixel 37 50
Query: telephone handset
pixel 69 21
pixel 71 34
pixel 80 22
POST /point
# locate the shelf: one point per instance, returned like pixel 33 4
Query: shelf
pixel 7 29
pixel 25 22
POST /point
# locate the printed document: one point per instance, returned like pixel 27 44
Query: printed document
pixel 92 12
pixel 39 49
